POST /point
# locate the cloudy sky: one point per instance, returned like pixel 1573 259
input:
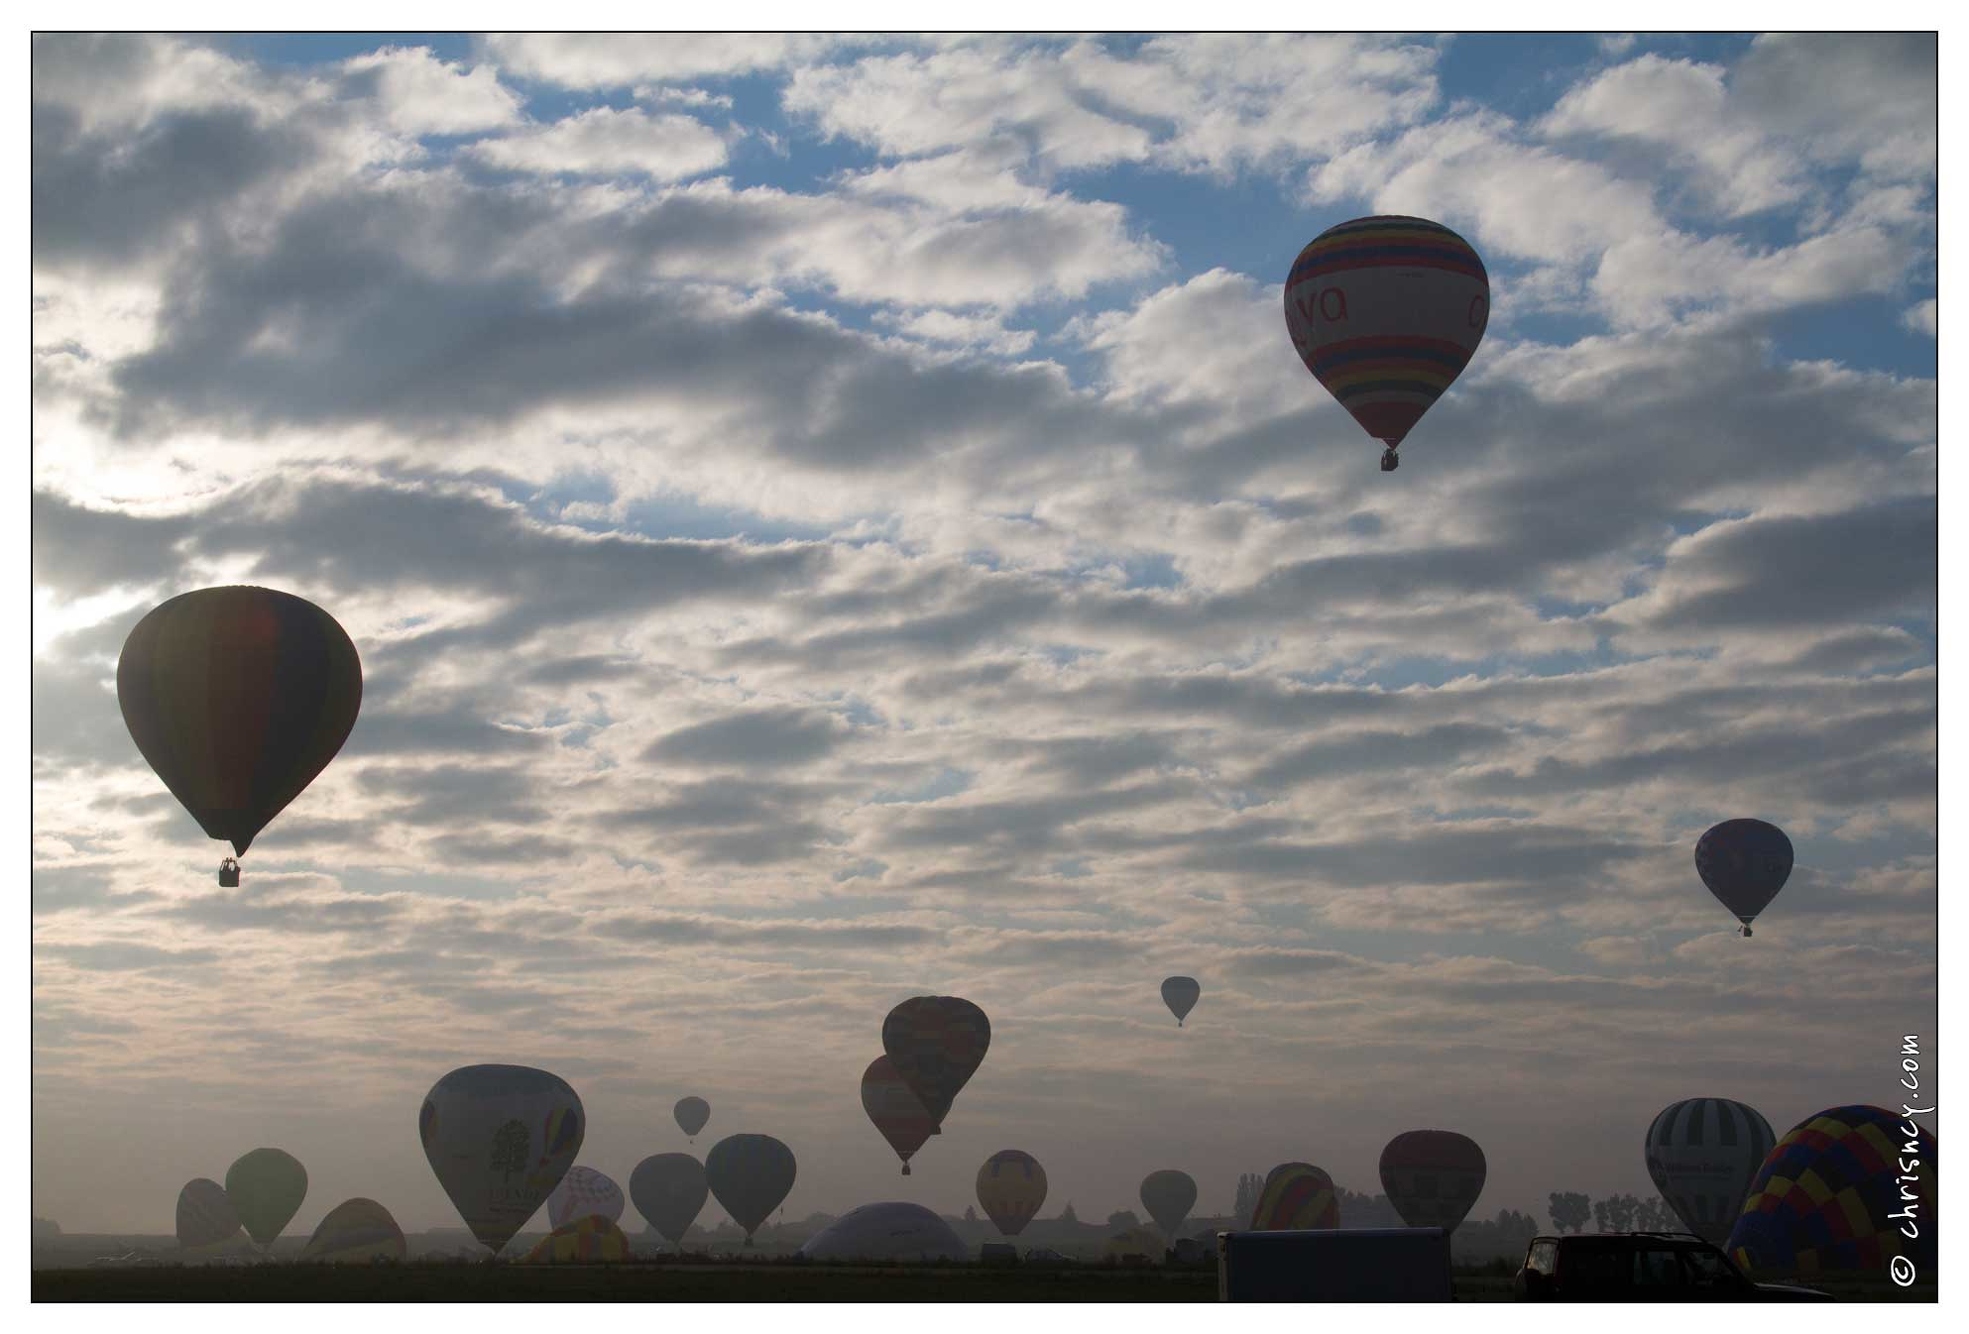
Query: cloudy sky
pixel 831 520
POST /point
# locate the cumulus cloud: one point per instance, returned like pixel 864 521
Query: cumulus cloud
pixel 607 142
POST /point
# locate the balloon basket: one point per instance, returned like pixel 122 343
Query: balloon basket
pixel 228 874
pixel 905 1169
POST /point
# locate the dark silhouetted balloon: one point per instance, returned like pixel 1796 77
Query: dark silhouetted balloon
pixel 691 1114
pixel 669 1190
pixel 1011 1187
pixel 356 1232
pixel 1169 1196
pixel 898 1114
pixel 205 1214
pixel 500 1138
pixel 1180 995
pixel 1827 1197
pixel 266 1187
pixel 1703 1154
pixel 238 698
pixel 936 1044
pixel 1386 312
pixel 1432 1177
pixel 750 1175
pixel 1745 863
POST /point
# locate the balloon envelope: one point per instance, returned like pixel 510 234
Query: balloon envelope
pixel 500 1138
pixel 894 1231
pixel 586 1241
pixel 584 1191
pixel 936 1044
pixel 238 697
pixel 356 1231
pixel 1386 312
pixel 1703 1154
pixel 1180 995
pixel 1745 863
pixel 669 1190
pixel 266 1187
pixel 1011 1187
pixel 1824 1198
pixel 205 1214
pixel 750 1175
pixel 1295 1196
pixel 895 1109
pixel 1432 1177
pixel 1169 1196
pixel 691 1114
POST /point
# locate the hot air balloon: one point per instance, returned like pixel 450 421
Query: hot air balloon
pixel 936 1044
pixel 1180 994
pixel 584 1191
pixel 1169 1196
pixel 691 1114
pixel 1011 1187
pixel 1432 1177
pixel 266 1188
pixel 750 1175
pixel 206 1216
pixel 1703 1154
pixel 895 1109
pixel 588 1240
pixel 500 1138
pixel 893 1232
pixel 1296 1196
pixel 1386 312
pixel 358 1232
pixel 1841 1191
pixel 669 1191
pixel 237 698
pixel 1745 863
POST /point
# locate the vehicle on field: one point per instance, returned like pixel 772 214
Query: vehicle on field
pixel 1642 1267
pixel 1367 1264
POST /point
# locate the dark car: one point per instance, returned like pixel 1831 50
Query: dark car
pixel 1642 1267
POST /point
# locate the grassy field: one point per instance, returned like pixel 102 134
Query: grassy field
pixel 621 1283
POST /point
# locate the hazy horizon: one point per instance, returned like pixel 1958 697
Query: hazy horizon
pixel 828 520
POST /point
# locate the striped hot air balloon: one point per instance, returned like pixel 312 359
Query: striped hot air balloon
pixel 1702 1154
pixel 238 697
pixel 1296 1196
pixel 1011 1187
pixel 1841 1191
pixel 356 1231
pixel 1432 1177
pixel 1386 312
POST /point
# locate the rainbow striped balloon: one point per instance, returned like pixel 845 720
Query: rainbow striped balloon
pixel 1296 1195
pixel 1386 312
pixel 1011 1187
pixel 357 1231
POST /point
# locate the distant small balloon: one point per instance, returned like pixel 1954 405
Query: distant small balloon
pixel 1180 995
pixel 1745 863
pixel 691 1114
pixel 1169 1196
